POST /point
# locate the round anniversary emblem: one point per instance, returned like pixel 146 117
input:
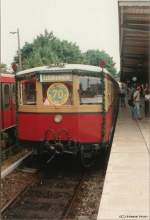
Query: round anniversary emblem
pixel 57 94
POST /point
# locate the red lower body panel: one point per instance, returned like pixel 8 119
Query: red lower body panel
pixel 8 117
pixel 84 127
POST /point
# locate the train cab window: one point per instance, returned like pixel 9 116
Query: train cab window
pixel 29 92
pixel 6 96
pixel 90 90
pixel 57 93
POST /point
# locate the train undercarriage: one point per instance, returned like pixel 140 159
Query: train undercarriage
pixel 86 152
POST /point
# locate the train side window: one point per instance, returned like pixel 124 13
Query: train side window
pixel 29 92
pixel 90 90
pixel 6 95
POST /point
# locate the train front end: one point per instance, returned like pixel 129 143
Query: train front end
pixel 60 109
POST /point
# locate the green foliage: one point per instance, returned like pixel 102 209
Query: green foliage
pixel 47 49
pixel 3 68
pixel 94 57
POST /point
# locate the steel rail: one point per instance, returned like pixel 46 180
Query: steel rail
pixel 71 202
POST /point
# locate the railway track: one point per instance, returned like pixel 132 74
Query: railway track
pixel 86 199
pixel 47 198
pixel 69 208
pixel 11 165
pixel 62 192
pixel 15 180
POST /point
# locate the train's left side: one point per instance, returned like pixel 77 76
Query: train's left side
pixel 67 109
pixel 7 108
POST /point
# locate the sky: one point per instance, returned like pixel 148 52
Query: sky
pixel 91 24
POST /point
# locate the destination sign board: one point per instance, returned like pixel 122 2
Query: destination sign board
pixel 55 78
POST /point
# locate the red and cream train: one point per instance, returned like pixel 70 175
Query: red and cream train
pixel 68 108
pixel 7 105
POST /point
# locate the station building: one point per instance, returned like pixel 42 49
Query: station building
pixel 134 31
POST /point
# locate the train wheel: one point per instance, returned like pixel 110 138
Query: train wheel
pixel 88 156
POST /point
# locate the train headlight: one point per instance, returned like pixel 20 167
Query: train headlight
pixel 58 118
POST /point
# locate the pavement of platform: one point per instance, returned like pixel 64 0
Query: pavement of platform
pixel 126 192
pixel 144 126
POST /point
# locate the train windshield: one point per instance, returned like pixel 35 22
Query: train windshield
pixel 90 90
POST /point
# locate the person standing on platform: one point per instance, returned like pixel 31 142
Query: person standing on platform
pixel 122 95
pixel 131 100
pixel 137 101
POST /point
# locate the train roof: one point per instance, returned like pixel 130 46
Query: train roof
pixel 6 77
pixel 81 69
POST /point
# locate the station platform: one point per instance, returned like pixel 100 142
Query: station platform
pixel 126 192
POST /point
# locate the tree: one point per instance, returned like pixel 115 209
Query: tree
pixel 94 57
pixel 47 49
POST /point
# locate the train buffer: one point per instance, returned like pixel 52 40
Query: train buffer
pixel 126 188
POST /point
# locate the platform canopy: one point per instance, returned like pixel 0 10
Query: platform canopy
pixel 134 27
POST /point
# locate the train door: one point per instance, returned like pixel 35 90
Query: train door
pixel 7 106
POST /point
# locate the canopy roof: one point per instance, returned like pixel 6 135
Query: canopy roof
pixel 134 25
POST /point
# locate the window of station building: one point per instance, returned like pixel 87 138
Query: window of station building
pixel 90 90
pixel 6 95
pixel 28 92
pixel 57 93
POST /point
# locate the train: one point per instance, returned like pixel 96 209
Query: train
pixel 7 108
pixel 66 109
